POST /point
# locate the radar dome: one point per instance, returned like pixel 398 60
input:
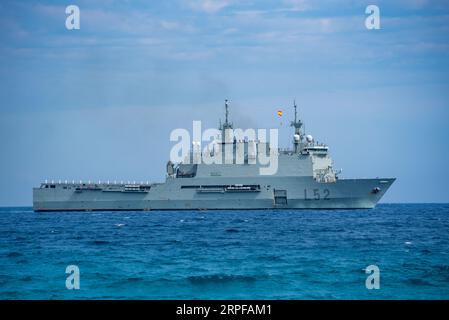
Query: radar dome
pixel 296 137
pixel 309 138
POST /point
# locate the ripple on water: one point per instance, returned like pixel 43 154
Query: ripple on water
pixel 219 279
pixel 284 254
pixel 99 242
pixel 14 254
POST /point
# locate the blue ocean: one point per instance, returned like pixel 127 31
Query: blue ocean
pixel 227 254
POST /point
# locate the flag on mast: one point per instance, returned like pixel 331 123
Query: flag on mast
pixel 280 116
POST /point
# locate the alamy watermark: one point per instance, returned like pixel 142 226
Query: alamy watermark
pixel 373 280
pixel 73 20
pixel 238 146
pixel 72 281
pixel 373 20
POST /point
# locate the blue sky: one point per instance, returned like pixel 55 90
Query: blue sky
pixel 100 102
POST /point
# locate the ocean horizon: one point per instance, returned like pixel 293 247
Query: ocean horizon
pixel 218 254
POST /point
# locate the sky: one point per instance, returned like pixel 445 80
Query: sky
pixel 99 103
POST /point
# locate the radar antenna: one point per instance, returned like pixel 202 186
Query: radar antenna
pixel 297 124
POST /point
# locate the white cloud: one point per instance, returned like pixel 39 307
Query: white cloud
pixel 209 6
pixel 297 5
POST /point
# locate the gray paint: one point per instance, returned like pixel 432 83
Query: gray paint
pixel 296 185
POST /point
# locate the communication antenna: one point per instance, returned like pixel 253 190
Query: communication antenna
pixel 294 104
pixel 227 110
pixel 297 124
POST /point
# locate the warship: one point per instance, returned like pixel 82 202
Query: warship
pixel 304 179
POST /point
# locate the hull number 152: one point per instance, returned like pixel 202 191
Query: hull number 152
pixel 316 194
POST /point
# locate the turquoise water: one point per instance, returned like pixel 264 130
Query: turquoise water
pixel 227 254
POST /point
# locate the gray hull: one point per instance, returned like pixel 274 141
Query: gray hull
pixel 181 194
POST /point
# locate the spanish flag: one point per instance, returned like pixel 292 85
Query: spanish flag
pixel 280 113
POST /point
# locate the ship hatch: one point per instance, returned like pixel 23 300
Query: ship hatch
pixel 280 197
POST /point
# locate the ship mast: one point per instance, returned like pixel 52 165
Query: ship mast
pixel 226 110
pixel 226 125
pixel 297 137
